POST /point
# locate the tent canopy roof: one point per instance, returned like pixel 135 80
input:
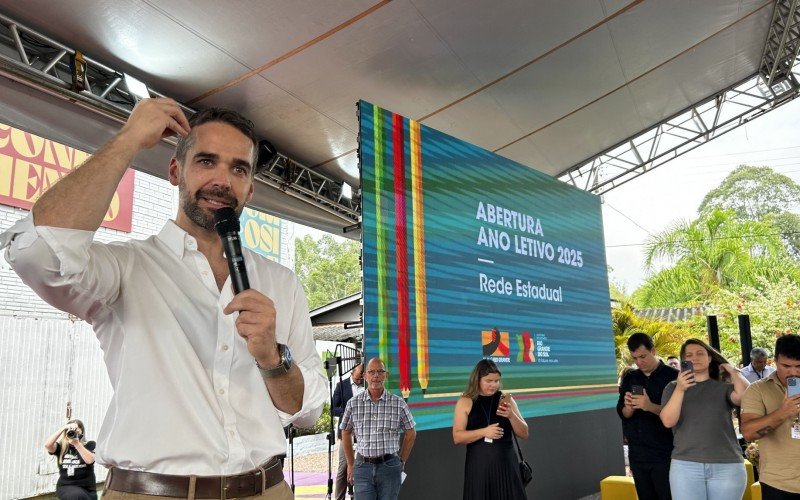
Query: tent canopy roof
pixel 547 84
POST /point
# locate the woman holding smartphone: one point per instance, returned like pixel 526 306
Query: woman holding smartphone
pixel 707 461
pixel 484 420
pixel 75 462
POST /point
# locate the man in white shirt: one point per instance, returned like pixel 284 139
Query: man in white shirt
pixel 758 368
pixel 204 380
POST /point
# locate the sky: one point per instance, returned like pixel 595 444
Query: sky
pixel 653 202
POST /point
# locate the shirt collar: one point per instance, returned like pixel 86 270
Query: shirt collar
pixel 176 239
pixel 774 377
pixel 366 395
pixel 658 368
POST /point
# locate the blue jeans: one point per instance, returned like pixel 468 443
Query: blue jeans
pixel 699 481
pixel 377 481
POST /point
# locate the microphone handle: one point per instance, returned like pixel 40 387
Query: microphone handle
pixel 236 267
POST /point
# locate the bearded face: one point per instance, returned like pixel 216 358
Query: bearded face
pixel 203 217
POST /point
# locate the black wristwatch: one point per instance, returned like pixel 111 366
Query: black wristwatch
pixel 282 368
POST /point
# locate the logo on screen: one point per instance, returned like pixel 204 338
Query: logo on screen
pixel 495 344
pixel 525 348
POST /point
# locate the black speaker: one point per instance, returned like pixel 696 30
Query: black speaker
pixel 713 331
pixel 744 338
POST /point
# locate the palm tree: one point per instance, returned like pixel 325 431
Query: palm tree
pixel 715 251
pixel 667 337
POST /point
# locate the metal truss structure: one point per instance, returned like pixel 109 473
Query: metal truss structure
pixel 36 60
pixel 42 63
pixel 775 84
pixel 285 174
pixel 783 43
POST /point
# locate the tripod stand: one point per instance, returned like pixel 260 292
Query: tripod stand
pixel 343 361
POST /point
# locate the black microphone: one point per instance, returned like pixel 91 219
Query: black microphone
pixel 226 222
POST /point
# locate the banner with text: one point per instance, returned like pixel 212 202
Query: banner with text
pixel 469 255
pixel 30 164
pixel 261 233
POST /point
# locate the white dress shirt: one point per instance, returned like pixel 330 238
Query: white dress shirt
pixel 188 398
pixel 754 376
pixel 357 388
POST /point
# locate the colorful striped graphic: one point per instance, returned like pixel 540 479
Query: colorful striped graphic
pixel 418 221
pixel 401 256
pixel 383 266
pixel 458 241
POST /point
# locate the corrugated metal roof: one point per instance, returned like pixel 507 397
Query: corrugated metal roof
pixel 337 333
pixel 671 314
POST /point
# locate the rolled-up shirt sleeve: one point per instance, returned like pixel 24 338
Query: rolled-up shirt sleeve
pixel 63 266
pixel 305 356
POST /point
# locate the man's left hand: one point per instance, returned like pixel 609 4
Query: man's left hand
pixel 641 402
pixel 256 324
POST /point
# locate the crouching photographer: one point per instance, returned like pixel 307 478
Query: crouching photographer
pixel 75 458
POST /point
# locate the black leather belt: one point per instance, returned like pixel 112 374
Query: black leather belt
pixel 246 484
pixel 377 460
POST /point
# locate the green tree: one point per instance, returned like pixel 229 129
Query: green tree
pixel 327 268
pixel 715 251
pixel 759 193
pixel 667 337
pixel 773 307
pixel 617 291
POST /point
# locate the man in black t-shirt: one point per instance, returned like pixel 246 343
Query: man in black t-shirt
pixel 649 442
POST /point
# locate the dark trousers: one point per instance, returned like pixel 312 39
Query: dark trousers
pixel 341 476
pixel 651 480
pixel 770 493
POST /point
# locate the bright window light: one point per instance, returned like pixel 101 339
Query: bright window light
pixel 136 87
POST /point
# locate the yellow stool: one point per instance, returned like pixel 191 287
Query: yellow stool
pixel 755 491
pixel 617 488
pixel 747 494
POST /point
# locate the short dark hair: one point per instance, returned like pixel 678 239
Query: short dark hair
pixel 228 116
pixel 640 339
pixel 672 356
pixel 788 345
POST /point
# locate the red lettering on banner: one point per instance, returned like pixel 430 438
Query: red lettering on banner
pixel 30 165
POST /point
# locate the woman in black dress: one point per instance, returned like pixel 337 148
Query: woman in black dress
pixel 484 420
pixel 75 458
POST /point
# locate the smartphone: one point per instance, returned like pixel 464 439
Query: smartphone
pixel 637 390
pixel 792 386
pixel 686 366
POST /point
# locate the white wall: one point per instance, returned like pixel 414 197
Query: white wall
pixel 48 358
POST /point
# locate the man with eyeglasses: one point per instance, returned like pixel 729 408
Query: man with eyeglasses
pixel 377 418
pixel 758 367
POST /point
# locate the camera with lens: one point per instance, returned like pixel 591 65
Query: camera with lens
pixel 73 433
